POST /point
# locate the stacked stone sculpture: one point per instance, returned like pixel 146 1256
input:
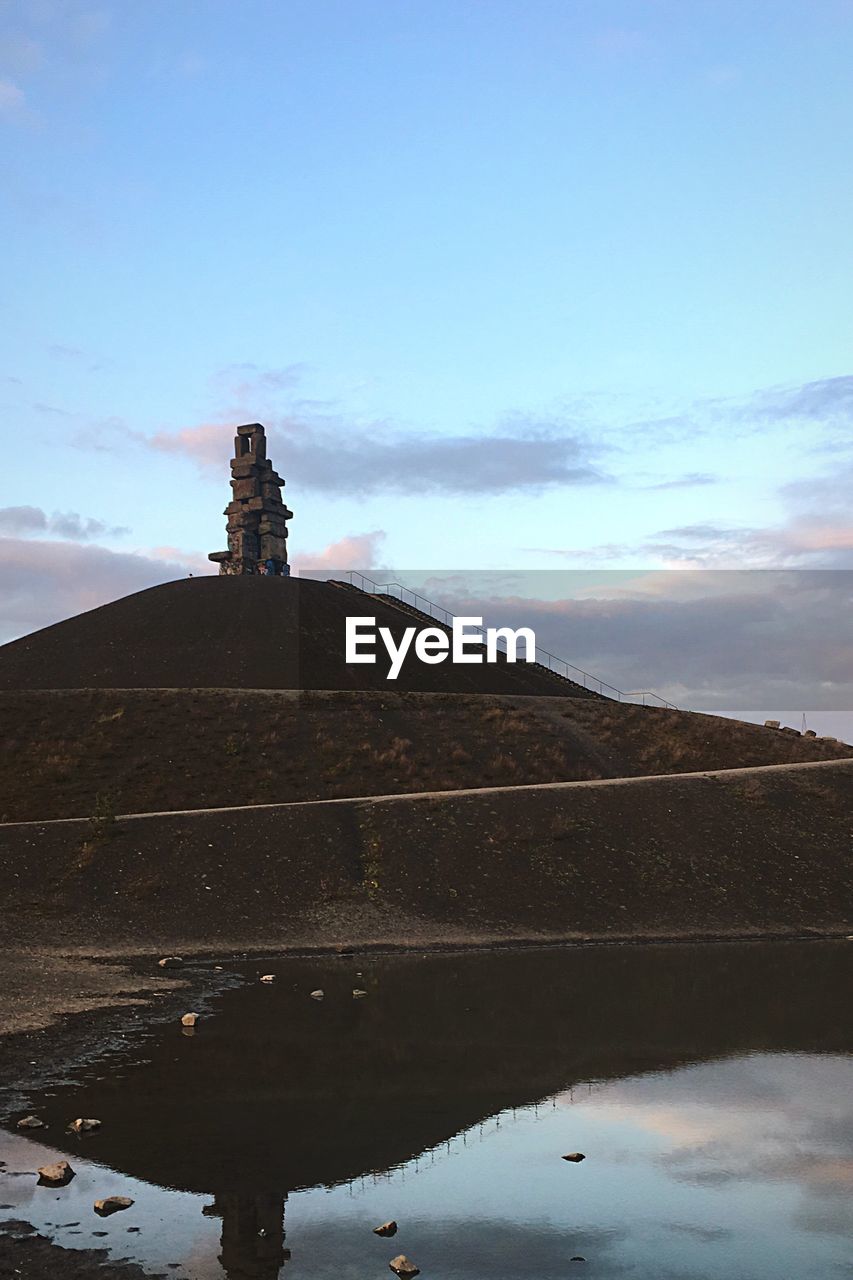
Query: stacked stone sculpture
pixel 257 528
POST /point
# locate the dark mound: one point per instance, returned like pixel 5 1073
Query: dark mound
pixel 241 633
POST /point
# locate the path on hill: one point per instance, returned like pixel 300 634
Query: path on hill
pixel 406 797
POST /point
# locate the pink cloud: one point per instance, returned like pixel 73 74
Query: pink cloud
pixel 194 561
pixel 358 551
pixel 822 536
pixel 208 444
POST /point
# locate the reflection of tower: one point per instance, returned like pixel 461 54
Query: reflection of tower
pixel 252 1235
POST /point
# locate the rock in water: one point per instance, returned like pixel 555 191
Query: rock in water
pixel 318 994
pixel 387 1229
pixel 189 1019
pixel 31 1122
pixel 170 962
pixel 55 1175
pixel 268 977
pixel 575 1157
pixel 83 1126
pixel 401 1266
pixel 112 1204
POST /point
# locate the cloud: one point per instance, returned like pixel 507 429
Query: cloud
pixel 43 582
pixel 691 480
pixel 60 351
pixel 358 551
pixel 41 407
pixel 724 641
pixel 320 447
pixel 827 398
pixel 33 521
pixel 618 43
pixel 808 541
pixel 826 402
pixel 70 354
pixel 20 53
pixel 817 533
pixel 829 493
pixel 11 97
pixel 247 381
pixel 323 454
pixel 694 531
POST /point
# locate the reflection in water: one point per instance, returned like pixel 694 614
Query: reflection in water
pixel 252 1235
pixel 711 1089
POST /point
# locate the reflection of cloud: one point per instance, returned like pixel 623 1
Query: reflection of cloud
pixel 706 1234
pixel 668 1122
pixel 757 1120
pixel 468 1246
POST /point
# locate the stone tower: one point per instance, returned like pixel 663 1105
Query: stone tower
pixel 257 528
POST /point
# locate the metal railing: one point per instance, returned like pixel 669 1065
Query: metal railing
pixel 559 666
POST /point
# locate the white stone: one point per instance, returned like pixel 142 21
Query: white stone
pixel 84 1126
pixel 402 1266
pixel 112 1204
pixel 56 1175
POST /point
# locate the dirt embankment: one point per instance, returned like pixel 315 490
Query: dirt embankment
pixel 759 850
pixel 72 752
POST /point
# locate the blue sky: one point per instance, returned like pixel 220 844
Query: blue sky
pixel 512 284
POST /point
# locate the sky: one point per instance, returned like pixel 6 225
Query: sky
pixel 514 285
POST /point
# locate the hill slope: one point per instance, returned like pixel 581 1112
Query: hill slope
pixel 162 749
pixel 240 633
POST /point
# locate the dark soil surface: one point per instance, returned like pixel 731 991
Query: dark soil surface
pixel 25 1255
pixel 132 751
pixel 241 633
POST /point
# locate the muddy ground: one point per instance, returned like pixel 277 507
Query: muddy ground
pixel 25 1255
